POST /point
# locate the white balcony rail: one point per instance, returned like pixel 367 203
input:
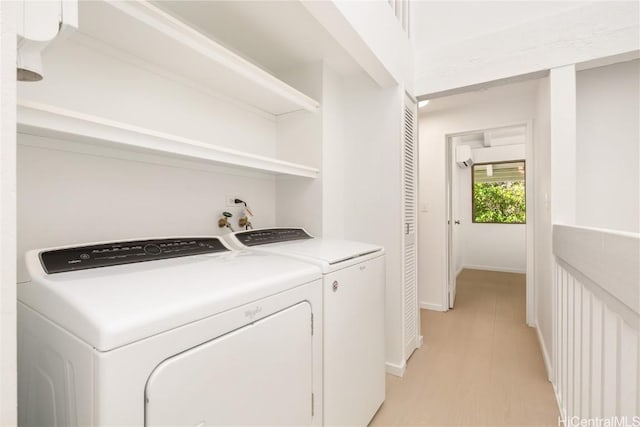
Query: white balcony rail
pixel 597 324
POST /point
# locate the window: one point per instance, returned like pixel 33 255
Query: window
pixel 498 192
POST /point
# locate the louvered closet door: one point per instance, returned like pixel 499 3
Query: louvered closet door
pixel 411 330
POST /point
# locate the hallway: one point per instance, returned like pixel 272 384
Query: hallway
pixel 479 365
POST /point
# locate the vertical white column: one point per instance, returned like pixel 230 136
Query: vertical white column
pixel 8 384
pixel 562 109
pixel 562 83
pixel 333 163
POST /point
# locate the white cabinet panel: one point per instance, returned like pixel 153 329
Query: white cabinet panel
pixel 354 355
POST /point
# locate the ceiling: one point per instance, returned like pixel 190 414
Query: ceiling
pixel 517 91
pixel 275 35
pixel 436 24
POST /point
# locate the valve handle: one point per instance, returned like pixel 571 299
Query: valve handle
pixel 227 214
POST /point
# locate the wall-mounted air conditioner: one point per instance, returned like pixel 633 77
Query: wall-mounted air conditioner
pixel 463 156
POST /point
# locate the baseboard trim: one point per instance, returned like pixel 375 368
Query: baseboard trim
pixel 500 269
pixel 397 370
pixel 431 306
pixel 561 411
pixel 545 354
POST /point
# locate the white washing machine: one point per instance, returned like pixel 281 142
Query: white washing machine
pixel 353 297
pixel 180 332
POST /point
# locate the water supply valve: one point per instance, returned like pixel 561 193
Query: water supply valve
pixel 244 219
pixel 244 222
pixel 224 221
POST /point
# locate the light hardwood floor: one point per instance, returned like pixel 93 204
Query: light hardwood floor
pixel 480 364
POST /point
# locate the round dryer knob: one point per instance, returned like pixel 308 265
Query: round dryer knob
pixel 152 249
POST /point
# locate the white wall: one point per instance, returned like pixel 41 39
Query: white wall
pixel 495 107
pixel 300 140
pixel 372 209
pixel 497 247
pixel 335 169
pixel 608 147
pixel 542 234
pixel 562 130
pixel 317 140
pixel 8 391
pixel 593 30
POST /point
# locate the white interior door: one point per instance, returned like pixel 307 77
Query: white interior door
pixel 452 235
pixel 411 313
pixel 260 374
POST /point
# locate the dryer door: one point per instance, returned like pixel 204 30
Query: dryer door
pixel 259 374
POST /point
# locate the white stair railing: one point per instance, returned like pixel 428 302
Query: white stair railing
pixel 597 325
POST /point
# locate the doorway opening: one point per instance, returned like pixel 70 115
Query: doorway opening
pixel 488 226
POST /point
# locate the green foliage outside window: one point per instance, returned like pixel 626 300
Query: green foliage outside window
pixel 500 196
pixel 501 202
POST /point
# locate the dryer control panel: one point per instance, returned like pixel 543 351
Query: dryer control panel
pixel 117 253
pixel 271 235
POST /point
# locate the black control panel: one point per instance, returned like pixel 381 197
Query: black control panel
pixel 117 253
pixel 271 235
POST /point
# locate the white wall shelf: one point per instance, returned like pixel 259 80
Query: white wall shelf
pixel 49 121
pixel 147 32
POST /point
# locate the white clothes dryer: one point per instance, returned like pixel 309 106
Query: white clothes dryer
pixel 353 298
pixel 179 331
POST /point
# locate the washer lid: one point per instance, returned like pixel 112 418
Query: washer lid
pixel 114 306
pixel 326 251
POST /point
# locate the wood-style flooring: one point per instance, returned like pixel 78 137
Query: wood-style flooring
pixel 480 364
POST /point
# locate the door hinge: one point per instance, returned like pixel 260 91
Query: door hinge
pixel 311 323
pixel 312 404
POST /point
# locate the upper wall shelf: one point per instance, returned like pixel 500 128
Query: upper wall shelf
pixel 147 32
pixel 49 121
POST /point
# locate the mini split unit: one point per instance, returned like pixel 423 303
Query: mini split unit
pixel 463 156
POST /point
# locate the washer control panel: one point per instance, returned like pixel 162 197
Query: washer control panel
pixel 271 235
pixel 117 253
